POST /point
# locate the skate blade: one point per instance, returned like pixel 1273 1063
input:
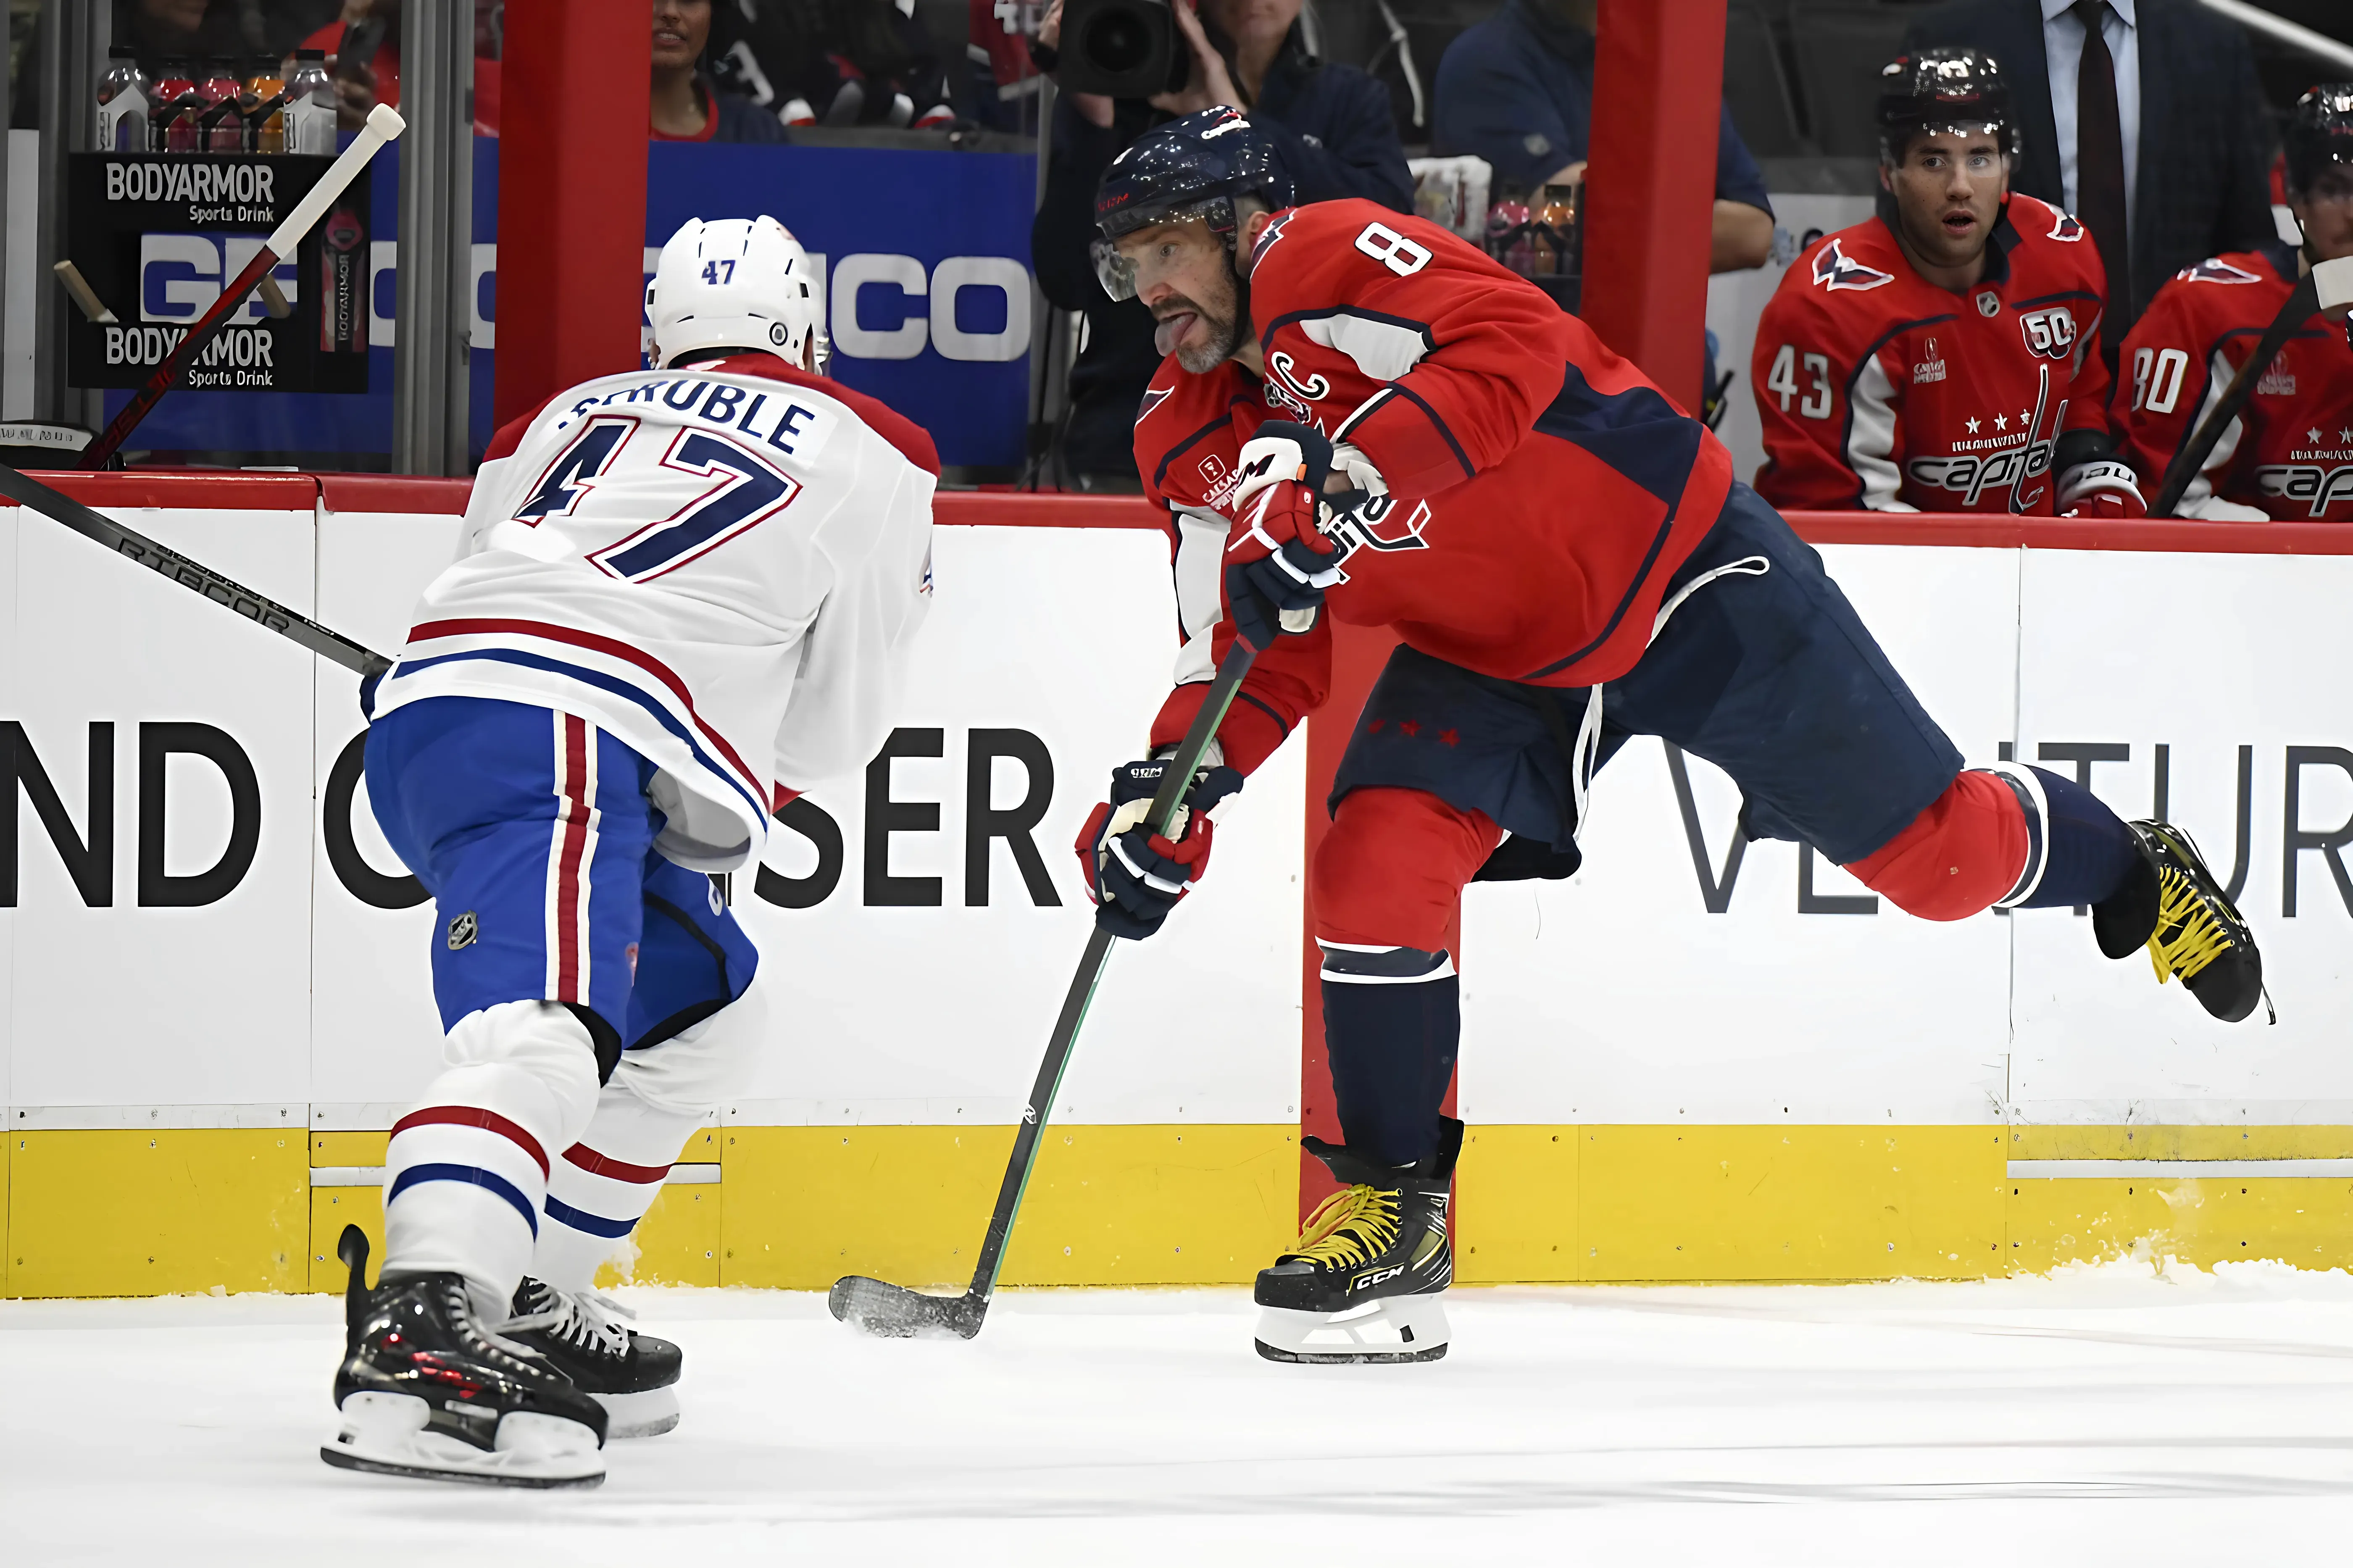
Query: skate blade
pixel 385 1435
pixel 647 1414
pixel 1392 1331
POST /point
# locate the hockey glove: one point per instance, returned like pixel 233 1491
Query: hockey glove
pixel 1277 571
pixel 2105 489
pixel 1134 877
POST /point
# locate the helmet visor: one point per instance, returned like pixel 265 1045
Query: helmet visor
pixel 1125 273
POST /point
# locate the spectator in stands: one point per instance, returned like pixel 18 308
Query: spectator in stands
pixel 830 62
pixel 158 30
pixel 1517 91
pixel 686 106
pixel 360 86
pixel 1001 77
pixel 2154 132
pixel 1330 123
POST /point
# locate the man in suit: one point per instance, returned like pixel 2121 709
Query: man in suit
pixel 2153 132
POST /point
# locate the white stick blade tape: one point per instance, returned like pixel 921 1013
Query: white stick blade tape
pixel 2334 280
pixel 386 122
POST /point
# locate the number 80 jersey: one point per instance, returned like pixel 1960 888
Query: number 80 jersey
pixel 722 565
pixel 1883 392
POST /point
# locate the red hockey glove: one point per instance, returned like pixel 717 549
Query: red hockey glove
pixel 1277 570
pixel 1135 877
pixel 2105 489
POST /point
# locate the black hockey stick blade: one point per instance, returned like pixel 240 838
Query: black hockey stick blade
pixel 58 507
pixel 893 1312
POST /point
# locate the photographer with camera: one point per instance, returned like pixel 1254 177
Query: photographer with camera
pixel 1125 65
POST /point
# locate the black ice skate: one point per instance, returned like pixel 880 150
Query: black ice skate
pixel 1363 1282
pixel 634 1376
pixel 2175 907
pixel 425 1390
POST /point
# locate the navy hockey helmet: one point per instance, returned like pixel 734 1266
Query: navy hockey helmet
pixel 1189 168
pixel 2320 133
pixel 1943 89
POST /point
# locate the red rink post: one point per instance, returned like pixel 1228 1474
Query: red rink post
pixel 384 124
pixel 1658 97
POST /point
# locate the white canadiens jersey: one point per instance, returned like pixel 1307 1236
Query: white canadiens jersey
pixel 724 566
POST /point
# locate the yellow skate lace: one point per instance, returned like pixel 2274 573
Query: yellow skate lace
pixel 2197 939
pixel 1351 1226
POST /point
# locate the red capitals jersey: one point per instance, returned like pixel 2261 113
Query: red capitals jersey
pixel 1541 492
pixel 1881 390
pixel 2290 451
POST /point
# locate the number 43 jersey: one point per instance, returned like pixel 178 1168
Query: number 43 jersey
pixel 722 565
pixel 1879 390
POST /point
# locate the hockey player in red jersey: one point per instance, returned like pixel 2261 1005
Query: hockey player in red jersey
pixel 1944 355
pixel 1362 417
pixel 2289 453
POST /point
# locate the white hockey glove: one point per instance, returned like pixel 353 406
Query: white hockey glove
pixel 2105 490
pixel 1278 568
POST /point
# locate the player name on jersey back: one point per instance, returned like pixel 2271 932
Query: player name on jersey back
pixel 657 551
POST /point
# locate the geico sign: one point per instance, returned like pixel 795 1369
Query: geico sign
pixel 882 282
pixel 180 275
pixel 854 276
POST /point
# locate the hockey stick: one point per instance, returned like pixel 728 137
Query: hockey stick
pixel 384 124
pixel 894 1311
pixel 2328 285
pixel 30 493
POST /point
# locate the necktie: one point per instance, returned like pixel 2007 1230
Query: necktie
pixel 2100 171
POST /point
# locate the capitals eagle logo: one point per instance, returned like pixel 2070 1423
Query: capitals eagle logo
pixel 1833 271
pixel 2213 269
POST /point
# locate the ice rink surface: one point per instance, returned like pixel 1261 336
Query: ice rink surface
pixel 2123 1413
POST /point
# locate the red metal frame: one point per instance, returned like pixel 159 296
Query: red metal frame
pixel 577 81
pixel 1658 71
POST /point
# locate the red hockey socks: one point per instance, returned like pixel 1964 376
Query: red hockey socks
pixel 2012 836
pixel 1385 884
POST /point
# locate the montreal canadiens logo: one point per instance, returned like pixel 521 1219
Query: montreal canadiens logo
pixel 1833 271
pixel 2066 229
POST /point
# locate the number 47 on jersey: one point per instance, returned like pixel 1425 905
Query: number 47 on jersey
pixel 749 489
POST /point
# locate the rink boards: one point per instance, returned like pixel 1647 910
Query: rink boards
pixel 1693 1060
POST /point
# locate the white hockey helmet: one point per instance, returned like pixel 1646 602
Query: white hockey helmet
pixel 741 283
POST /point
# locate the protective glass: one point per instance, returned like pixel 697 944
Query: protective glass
pixel 1125 276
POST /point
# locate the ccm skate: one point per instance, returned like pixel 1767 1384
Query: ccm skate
pixel 1363 1285
pixel 2175 907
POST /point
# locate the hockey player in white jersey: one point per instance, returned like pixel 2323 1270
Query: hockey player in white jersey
pixel 683 595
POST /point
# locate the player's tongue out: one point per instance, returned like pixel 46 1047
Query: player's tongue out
pixel 1171 332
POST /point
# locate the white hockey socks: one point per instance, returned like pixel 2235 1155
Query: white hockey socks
pixel 602 1185
pixel 467 1169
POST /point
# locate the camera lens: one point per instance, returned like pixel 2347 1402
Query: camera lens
pixel 1117 42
